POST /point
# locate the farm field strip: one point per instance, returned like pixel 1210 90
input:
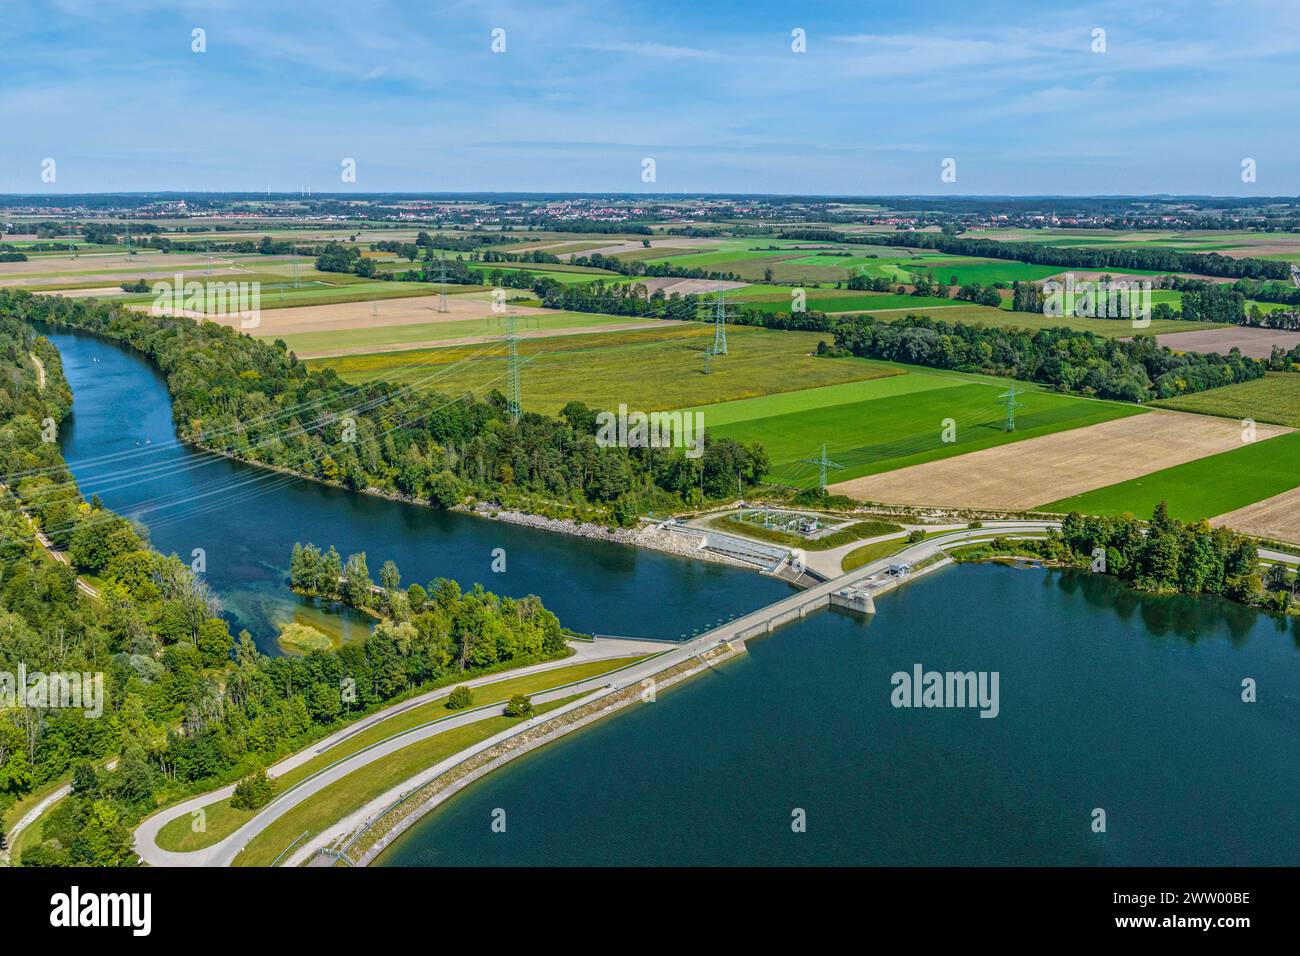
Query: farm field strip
pixel 1021 475
pixel 1275 399
pixel 900 382
pixel 1206 487
pixel 1277 517
pixel 419 337
pixel 894 431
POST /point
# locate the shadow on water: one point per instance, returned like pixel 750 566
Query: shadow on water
pixel 1189 617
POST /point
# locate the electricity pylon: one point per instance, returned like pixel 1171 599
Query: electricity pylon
pixel 513 403
pixel 822 464
pixel 442 294
pixel 1008 398
pixel 719 327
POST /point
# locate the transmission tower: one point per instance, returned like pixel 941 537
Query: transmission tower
pixel 512 370
pixel 822 464
pixel 708 360
pixel 442 294
pixel 719 327
pixel 1008 398
pixel 1295 275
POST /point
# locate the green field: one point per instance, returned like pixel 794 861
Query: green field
pixel 649 370
pixel 983 271
pixel 1203 488
pixel 1275 399
pixel 894 424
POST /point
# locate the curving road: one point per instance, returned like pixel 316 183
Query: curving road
pixel 220 854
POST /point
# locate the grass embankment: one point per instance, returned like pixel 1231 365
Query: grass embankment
pixel 222 821
pixel 872 552
pixel 854 532
pixel 339 799
pixel 880 549
pixel 31 836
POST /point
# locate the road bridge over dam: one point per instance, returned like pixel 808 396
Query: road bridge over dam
pixel 858 589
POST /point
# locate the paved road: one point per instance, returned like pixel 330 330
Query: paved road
pixel 221 853
pixel 224 852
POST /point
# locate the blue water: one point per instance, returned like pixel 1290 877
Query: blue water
pixel 1107 700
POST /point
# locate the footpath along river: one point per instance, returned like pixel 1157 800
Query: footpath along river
pixel 1108 700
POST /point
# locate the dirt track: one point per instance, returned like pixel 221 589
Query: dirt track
pixel 1026 474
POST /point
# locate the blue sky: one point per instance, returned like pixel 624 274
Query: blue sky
pixel 710 89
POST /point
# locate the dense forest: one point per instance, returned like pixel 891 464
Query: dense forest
pixel 186 707
pixel 255 401
pixel 1073 361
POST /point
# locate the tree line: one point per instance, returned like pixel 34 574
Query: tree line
pixel 256 401
pixel 1070 361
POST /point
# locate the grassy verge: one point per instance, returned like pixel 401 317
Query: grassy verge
pixel 220 820
pixel 872 552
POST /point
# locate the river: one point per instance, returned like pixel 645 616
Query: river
pixel 121 445
pixel 1108 700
